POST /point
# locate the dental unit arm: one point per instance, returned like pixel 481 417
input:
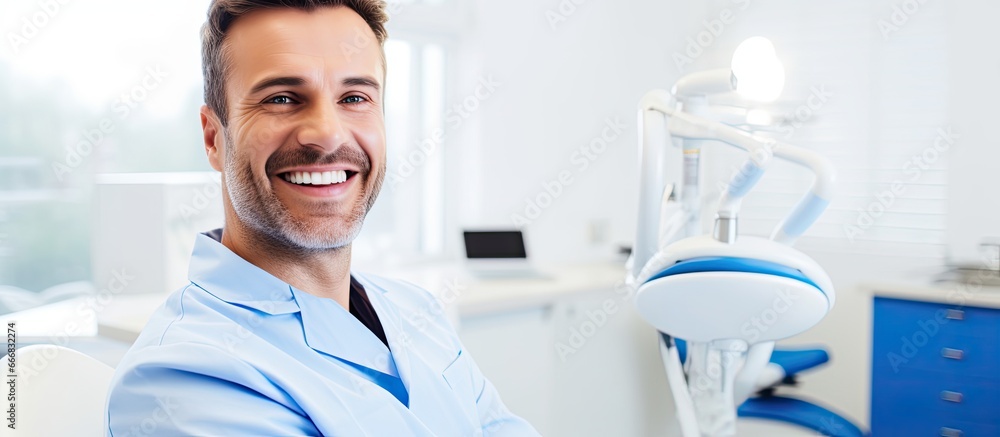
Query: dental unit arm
pixel 664 125
pixel 662 121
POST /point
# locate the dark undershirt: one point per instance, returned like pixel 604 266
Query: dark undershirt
pixel 361 308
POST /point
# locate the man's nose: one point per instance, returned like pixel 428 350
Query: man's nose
pixel 324 127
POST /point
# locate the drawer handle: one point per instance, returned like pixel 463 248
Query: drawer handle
pixel 955 315
pixel 951 396
pixel 951 432
pixel 954 354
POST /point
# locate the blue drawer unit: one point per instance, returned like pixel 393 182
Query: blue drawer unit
pixel 935 369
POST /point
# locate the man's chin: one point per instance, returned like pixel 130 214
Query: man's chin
pixel 317 227
pixel 318 238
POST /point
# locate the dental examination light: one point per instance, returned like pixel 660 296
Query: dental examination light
pixel 755 73
pixel 758 72
pixel 712 290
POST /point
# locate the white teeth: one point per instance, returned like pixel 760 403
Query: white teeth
pixel 316 177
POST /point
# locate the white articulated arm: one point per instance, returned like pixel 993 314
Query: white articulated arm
pixel 656 108
pixel 816 199
pixel 761 150
pixel 678 387
pixel 704 83
pixel 758 356
pixel 653 112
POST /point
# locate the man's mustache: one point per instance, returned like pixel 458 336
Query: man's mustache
pixel 303 156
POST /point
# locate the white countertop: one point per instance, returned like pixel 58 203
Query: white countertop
pixel 959 294
pixel 456 287
pixel 74 317
pixel 460 292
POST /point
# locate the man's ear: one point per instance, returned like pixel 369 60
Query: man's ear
pixel 211 130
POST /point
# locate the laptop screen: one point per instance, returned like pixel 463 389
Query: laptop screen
pixel 494 244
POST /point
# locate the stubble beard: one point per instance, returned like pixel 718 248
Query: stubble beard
pixel 261 212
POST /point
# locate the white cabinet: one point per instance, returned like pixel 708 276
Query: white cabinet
pixel 612 382
pixel 514 351
pixel 583 365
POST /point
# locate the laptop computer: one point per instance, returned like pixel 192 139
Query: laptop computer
pixel 497 254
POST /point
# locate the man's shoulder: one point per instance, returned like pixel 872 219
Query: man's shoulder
pixel 183 317
pixel 192 331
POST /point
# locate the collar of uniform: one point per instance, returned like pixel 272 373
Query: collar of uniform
pixel 332 330
pixel 227 276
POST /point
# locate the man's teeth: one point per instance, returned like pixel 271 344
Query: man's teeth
pixel 316 177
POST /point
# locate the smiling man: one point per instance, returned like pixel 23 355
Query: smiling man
pixel 275 335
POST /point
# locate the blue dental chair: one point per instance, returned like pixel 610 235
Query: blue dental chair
pixel 729 296
pixel 707 290
pixel 786 365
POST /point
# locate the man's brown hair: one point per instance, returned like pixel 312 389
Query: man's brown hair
pixel 222 14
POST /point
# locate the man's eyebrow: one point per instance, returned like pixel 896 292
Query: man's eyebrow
pixel 362 81
pixel 298 81
pixel 277 81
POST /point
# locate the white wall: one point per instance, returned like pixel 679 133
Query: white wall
pixel 559 86
pixel 974 208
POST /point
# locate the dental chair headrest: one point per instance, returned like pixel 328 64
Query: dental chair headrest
pixel 754 289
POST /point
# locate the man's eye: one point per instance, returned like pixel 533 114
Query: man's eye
pixel 280 100
pixel 353 99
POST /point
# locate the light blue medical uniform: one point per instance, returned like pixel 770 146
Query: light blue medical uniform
pixel 239 352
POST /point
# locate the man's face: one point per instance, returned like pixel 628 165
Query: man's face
pixel 304 149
